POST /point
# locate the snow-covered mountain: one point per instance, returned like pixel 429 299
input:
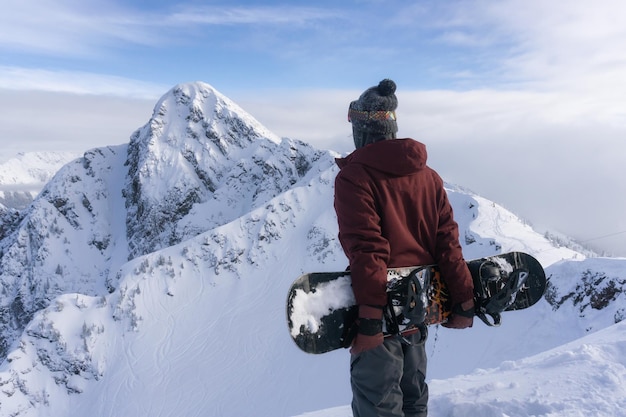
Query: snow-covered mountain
pixel 22 177
pixel 150 278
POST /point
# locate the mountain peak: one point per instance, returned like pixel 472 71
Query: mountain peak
pixel 203 113
pixel 202 161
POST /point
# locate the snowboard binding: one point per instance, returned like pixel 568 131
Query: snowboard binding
pixel 497 293
pixel 406 305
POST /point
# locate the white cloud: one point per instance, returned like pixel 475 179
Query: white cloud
pixel 523 44
pixel 46 121
pixel 69 28
pixel 90 29
pixel 75 82
pixel 265 15
pixel 555 45
pixel 318 117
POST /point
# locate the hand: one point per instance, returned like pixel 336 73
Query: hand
pixel 462 316
pixel 370 327
pixel 458 322
pixel 363 343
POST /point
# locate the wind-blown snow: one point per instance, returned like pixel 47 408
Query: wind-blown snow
pixel 309 308
pixel 151 279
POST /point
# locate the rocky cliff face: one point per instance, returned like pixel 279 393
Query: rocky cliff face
pixel 594 290
pixel 201 162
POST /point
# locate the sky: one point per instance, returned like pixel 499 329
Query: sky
pixel 521 101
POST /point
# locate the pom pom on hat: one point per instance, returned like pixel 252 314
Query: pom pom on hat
pixel 386 87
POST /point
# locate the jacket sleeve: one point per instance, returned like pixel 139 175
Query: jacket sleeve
pixel 449 254
pixel 361 237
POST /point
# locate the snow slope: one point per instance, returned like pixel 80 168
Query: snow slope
pixel 151 280
pixel 586 377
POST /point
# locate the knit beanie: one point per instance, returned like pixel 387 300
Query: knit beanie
pixel 373 115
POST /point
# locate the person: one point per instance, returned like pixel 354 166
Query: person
pixel 393 211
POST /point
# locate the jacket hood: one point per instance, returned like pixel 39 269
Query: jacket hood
pixel 395 156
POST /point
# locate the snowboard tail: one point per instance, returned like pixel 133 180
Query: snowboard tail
pixel 321 309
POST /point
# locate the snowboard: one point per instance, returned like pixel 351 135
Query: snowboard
pixel 321 309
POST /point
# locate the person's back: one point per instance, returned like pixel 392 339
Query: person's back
pixel 392 210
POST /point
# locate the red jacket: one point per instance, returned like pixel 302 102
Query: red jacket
pixel 393 211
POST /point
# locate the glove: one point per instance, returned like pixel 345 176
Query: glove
pixel 462 316
pixel 363 342
pixel 370 333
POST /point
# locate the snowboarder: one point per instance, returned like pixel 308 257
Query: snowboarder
pixel 393 211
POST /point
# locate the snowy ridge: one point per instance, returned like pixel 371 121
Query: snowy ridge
pixel 486 228
pixel 150 279
pixel 23 176
pixel 63 243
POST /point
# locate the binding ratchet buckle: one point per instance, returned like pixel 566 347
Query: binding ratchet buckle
pixel 492 304
pixel 411 300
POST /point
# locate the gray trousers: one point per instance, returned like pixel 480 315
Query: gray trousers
pixel 390 380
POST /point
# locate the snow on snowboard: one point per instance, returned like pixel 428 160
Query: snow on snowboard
pixel 321 309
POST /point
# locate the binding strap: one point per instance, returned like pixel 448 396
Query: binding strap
pixel 413 303
pixel 503 299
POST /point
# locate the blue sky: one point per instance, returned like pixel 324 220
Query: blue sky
pixel 267 44
pixel 523 101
